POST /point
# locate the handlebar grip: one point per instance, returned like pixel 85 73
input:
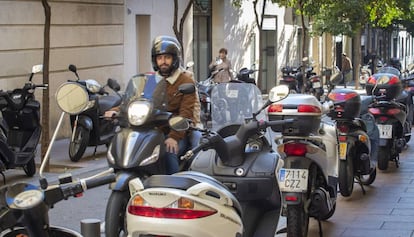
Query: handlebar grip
pixel 99 181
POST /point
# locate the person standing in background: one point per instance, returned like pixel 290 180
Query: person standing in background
pixel 221 67
pixel 346 69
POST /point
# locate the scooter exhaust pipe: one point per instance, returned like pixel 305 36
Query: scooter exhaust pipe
pixel 320 205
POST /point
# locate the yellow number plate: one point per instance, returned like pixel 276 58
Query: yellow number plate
pixel 342 150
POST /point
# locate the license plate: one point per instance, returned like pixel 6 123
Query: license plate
pixel 232 93
pixel 385 130
pixel 316 84
pixel 293 180
pixel 342 150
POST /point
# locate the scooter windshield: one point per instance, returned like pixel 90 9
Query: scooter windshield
pixel 232 103
pixel 140 86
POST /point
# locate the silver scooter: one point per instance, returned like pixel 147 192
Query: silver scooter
pixel 309 150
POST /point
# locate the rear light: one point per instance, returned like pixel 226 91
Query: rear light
pixel 393 111
pixel 315 79
pixel 372 80
pixel 374 111
pixel 289 79
pixel 183 208
pixel 393 80
pixel 275 108
pixel 291 198
pixel 308 109
pixel 295 149
pixel 342 138
pixel 383 118
pixel 341 96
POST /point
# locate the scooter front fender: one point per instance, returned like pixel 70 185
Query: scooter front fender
pixel 85 122
pixel 122 181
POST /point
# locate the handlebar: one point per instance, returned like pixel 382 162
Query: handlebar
pixel 213 137
pixel 66 190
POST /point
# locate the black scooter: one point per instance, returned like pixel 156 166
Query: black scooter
pixel 20 127
pixel 241 158
pixel 89 127
pixel 355 148
pixel 137 149
pixel 392 109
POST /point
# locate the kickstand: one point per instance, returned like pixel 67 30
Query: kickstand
pixel 320 228
pixel 358 178
pixel 94 152
pixel 397 161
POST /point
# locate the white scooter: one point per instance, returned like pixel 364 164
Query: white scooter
pixel 231 189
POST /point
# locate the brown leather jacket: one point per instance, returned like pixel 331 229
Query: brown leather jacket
pixel 180 104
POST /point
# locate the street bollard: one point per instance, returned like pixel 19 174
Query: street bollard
pixel 91 227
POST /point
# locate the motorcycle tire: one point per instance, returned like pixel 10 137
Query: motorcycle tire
pixel 115 213
pixel 54 232
pixel 30 168
pixel 369 178
pixel 297 221
pixel 384 155
pixel 78 146
pixel 346 177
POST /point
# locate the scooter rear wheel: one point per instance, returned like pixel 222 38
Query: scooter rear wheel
pixel 78 146
pixel 384 155
pixel 297 221
pixel 346 177
pixel 30 168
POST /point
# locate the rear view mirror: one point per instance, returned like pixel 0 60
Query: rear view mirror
pixel 113 84
pixel 37 68
pixel 187 88
pixel 278 93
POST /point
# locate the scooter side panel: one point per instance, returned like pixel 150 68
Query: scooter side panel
pixel 253 180
pixel 130 147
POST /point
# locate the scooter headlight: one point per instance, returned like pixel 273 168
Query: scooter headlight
pixel 138 112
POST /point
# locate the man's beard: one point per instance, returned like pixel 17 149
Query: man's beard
pixel 165 70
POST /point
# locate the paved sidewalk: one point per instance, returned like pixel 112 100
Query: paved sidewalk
pixel 59 162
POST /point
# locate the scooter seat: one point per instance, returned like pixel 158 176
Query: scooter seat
pixel 186 179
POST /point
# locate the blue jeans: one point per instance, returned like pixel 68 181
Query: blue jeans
pixel 172 160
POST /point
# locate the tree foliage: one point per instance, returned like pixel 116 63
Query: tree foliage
pixel 347 17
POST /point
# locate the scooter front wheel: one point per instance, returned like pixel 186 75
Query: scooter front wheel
pixel 115 213
pixel 78 146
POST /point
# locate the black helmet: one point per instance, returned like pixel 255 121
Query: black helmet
pixel 166 45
